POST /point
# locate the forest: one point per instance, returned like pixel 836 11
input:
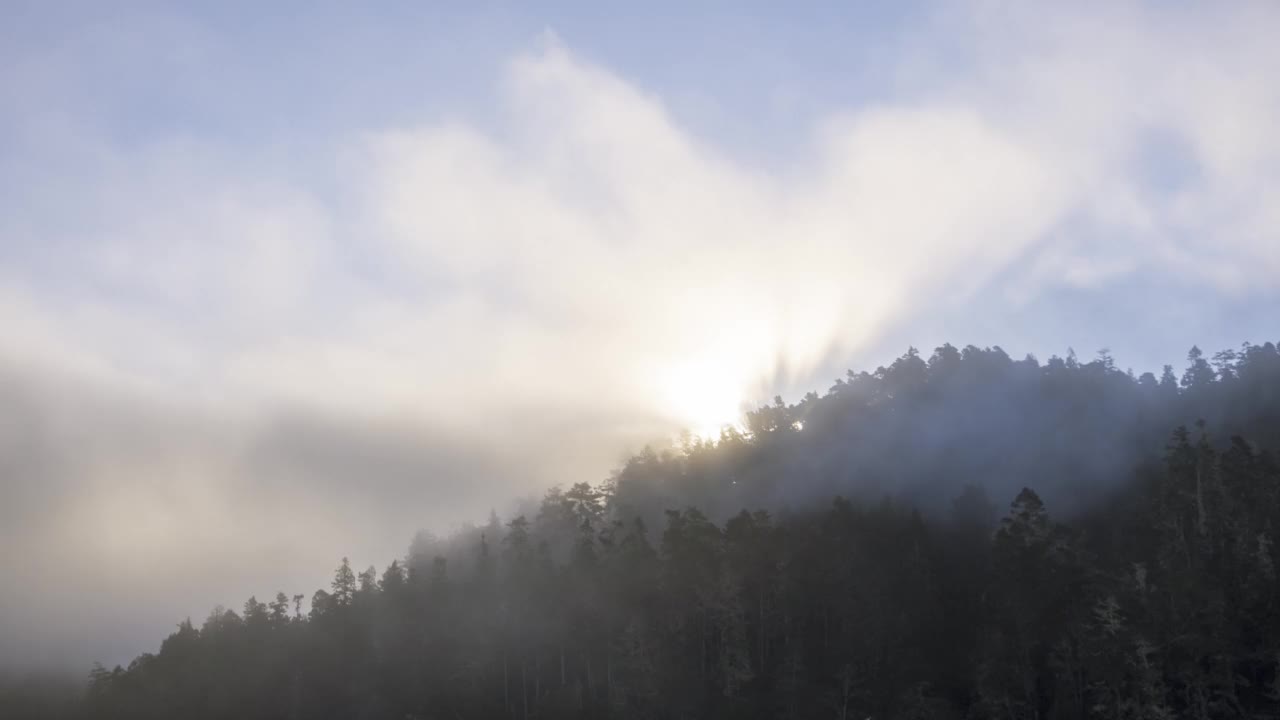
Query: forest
pixel 963 535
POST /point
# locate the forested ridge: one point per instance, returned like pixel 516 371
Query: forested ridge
pixel 959 536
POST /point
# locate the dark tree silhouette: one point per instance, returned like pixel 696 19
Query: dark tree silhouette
pixel 1132 576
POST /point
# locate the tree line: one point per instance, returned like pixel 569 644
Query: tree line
pixel 711 582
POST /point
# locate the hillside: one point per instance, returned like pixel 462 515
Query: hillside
pixel 963 535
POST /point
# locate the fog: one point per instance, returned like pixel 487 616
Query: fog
pixel 234 352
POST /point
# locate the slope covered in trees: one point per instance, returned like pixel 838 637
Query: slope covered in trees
pixel 966 536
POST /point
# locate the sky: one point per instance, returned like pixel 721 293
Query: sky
pixel 285 283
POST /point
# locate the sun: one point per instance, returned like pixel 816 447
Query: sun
pixel 703 396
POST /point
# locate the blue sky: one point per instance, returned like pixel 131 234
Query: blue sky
pixel 285 284
pixel 325 67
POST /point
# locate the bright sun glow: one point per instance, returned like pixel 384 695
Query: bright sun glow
pixel 712 378
pixel 703 396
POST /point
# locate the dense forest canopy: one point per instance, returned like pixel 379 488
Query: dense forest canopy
pixel 959 536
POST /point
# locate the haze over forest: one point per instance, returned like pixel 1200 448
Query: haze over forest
pixel 282 285
pixel 907 595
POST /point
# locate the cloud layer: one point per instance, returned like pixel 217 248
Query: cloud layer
pixel 227 363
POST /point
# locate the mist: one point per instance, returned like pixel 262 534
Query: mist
pixel 255 321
